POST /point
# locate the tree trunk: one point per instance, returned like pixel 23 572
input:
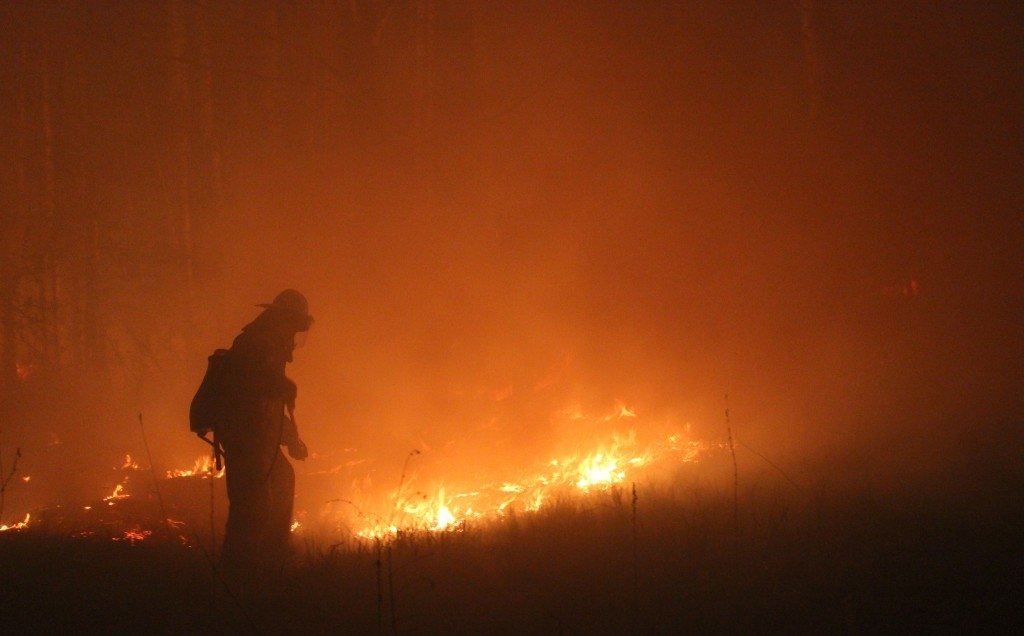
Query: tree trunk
pixel 12 243
pixel 211 147
pixel 47 273
pixel 180 99
pixel 812 59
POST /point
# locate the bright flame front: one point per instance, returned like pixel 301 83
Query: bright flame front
pixel 607 465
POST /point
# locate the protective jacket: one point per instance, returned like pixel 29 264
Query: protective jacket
pixel 260 480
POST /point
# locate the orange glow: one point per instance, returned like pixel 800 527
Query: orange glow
pixel 24 370
pixel 906 288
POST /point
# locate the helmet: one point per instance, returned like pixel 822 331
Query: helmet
pixel 294 303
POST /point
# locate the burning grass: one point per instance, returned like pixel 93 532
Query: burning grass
pixel 625 536
pixel 838 559
pixel 437 507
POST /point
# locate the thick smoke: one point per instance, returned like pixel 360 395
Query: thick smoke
pixel 509 210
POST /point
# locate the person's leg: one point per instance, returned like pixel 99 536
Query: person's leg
pixel 248 500
pixel 279 512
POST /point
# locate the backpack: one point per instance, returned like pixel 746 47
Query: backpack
pixel 212 404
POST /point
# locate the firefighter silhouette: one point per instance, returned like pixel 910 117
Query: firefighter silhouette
pixel 260 480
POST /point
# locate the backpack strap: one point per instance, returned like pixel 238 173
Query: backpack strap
pixel 218 450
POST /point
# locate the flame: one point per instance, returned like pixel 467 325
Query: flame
pixel 446 506
pixel 432 512
pixel 21 525
pixel 607 465
pixel 203 467
pixel 599 470
pixel 117 495
pixel 621 411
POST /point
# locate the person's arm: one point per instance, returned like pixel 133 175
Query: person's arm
pixel 296 447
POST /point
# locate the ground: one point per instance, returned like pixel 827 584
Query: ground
pixel 824 560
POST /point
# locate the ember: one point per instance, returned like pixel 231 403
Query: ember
pixel 134 534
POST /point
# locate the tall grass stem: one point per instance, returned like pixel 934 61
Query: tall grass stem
pixel 735 475
pixel 6 479
pixel 380 590
pixel 152 472
pixel 636 576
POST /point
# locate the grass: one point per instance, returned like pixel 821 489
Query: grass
pixel 833 559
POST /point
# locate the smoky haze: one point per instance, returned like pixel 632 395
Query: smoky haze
pixel 498 210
